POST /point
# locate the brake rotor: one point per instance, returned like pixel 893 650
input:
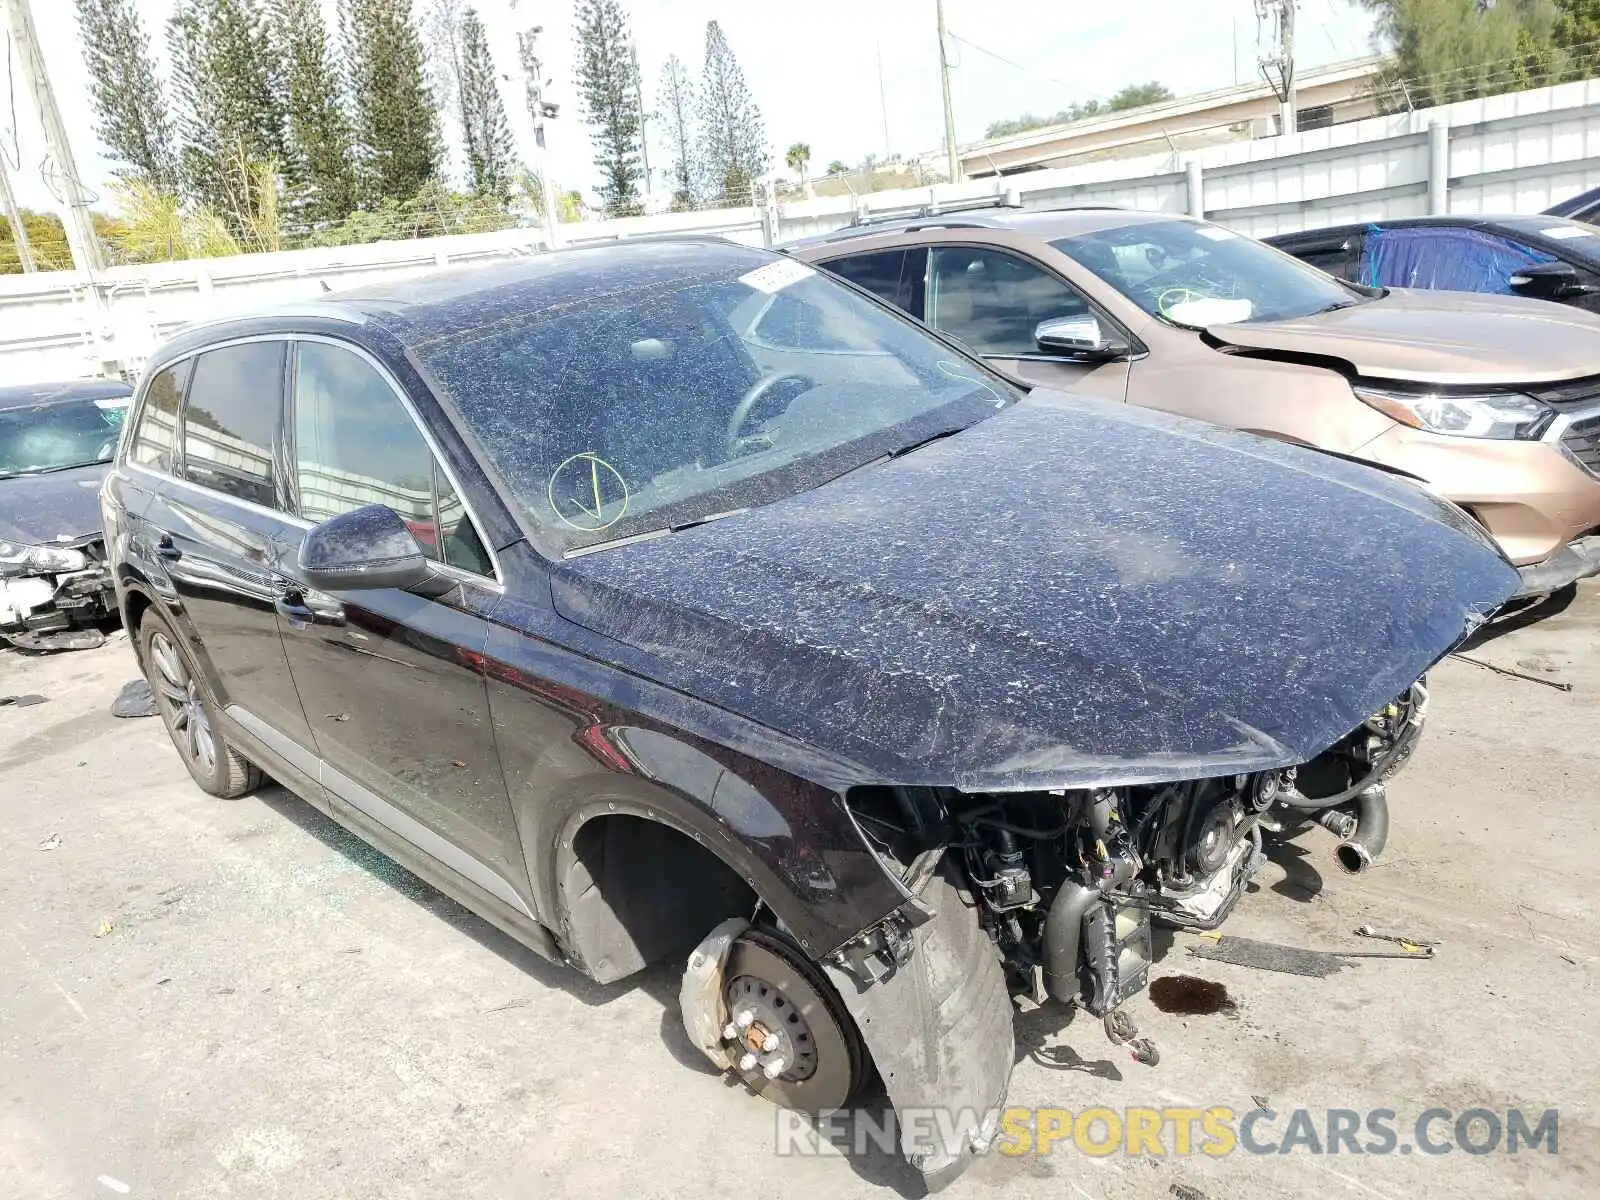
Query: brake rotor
pixel 784 1019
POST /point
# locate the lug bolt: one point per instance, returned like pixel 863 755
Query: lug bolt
pixel 774 1068
pixel 748 1062
pixel 770 1042
pixel 744 1019
pixel 730 1031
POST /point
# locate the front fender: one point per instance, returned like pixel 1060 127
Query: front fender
pixel 939 1028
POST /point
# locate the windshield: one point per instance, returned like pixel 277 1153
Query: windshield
pixel 1194 274
pixel 59 435
pixel 629 412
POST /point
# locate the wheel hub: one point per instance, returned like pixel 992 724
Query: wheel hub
pixel 768 1031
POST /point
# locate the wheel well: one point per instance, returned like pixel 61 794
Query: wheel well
pixel 636 891
pixel 133 610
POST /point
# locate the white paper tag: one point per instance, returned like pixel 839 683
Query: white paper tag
pixel 1216 233
pixel 776 276
pixel 112 403
pixel 1565 233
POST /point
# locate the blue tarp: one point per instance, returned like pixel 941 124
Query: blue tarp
pixel 1447 258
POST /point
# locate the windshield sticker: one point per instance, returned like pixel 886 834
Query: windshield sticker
pixel 776 276
pixel 1565 233
pixel 1216 233
pixel 588 493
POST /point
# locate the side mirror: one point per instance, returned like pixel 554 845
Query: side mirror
pixel 1546 281
pixel 365 549
pixel 1077 337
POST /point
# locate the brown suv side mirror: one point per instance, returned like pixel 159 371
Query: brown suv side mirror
pixel 1078 337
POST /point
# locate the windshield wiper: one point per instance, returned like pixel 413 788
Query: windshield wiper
pixel 93 462
pixel 898 452
pixel 650 534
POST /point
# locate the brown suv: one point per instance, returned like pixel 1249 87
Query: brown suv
pixel 1493 401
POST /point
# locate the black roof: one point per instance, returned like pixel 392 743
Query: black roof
pixel 28 395
pixel 428 306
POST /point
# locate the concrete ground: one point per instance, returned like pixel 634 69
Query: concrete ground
pixel 204 998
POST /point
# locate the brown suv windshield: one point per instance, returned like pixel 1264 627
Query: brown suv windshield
pixel 1194 274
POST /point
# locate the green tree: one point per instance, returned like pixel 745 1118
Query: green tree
pixel 838 167
pixel 676 97
pixel 1577 32
pixel 1448 50
pixel 485 133
pixel 318 178
pixel 796 158
pixel 1137 95
pixel 607 86
pixel 398 149
pixel 733 140
pixel 131 113
pixel 229 113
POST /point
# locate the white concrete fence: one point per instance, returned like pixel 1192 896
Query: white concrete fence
pixel 1520 152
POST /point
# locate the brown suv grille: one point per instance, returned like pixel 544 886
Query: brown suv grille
pixel 1582 441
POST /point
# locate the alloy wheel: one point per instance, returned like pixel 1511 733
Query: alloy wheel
pixel 179 695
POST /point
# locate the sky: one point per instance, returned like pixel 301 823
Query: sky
pixel 815 77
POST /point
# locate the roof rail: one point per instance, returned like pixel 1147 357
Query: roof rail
pixel 968 215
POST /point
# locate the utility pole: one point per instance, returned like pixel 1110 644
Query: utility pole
pixel 540 110
pixel 19 233
pixel 1277 65
pixel 954 160
pixel 644 122
pixel 30 65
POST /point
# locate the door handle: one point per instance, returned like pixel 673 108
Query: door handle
pixel 295 611
pixel 165 549
pixel 291 605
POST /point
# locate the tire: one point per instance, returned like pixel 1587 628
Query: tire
pixel 190 714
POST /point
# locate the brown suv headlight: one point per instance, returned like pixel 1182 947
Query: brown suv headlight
pixel 1504 416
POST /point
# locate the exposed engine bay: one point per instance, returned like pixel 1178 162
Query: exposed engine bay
pixel 1067 884
pixel 52 597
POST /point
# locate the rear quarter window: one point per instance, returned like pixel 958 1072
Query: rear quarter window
pixel 156 434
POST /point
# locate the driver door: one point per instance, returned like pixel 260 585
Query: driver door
pixel 992 301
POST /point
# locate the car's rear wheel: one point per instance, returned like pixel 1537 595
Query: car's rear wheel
pixel 790 1038
pixel 189 714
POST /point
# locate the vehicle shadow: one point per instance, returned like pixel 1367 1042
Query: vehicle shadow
pixel 1520 618
pixel 384 869
pixel 1301 880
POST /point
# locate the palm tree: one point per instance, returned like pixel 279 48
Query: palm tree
pixel 797 158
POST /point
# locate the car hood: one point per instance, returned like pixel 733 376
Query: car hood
pixel 1436 337
pixel 39 509
pixel 1069 593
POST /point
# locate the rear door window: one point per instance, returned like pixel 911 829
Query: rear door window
pixel 356 444
pixel 993 301
pixel 155 437
pixel 231 421
pixel 878 272
pixel 1445 258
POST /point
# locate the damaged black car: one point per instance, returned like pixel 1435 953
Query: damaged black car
pixel 672 600
pixel 56 442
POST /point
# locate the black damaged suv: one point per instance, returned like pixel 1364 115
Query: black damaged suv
pixel 675 600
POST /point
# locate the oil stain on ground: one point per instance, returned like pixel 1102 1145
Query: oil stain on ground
pixel 1188 996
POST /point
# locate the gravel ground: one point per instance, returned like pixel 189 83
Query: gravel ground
pixel 204 998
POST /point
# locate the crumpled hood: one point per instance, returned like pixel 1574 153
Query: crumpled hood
pixel 40 509
pixel 1071 592
pixel 1438 337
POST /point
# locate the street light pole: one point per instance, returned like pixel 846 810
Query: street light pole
pixel 540 110
pixel 954 160
pixel 30 65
